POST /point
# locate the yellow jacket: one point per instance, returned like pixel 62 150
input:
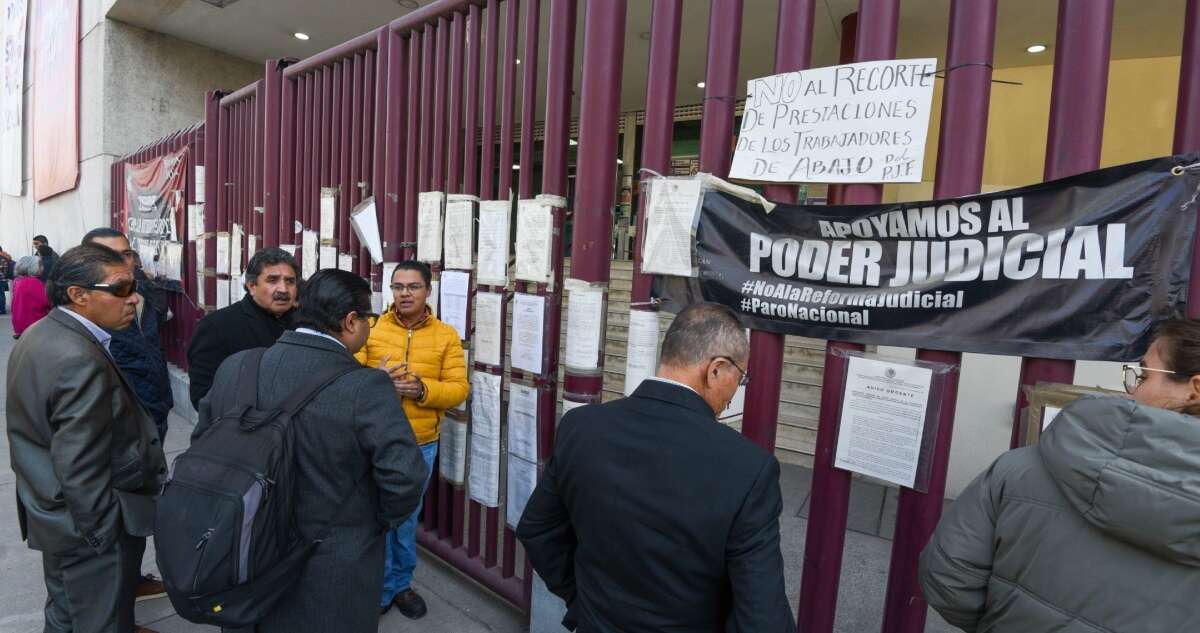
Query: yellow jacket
pixel 433 352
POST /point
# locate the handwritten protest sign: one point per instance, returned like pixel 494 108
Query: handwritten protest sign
pixel 863 122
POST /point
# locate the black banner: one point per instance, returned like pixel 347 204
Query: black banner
pixel 1077 268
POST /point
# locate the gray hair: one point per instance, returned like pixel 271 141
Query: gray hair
pixel 28 266
pixel 701 332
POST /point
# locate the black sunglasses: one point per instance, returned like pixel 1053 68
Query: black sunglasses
pixel 122 289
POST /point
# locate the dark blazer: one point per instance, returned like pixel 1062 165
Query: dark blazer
pixel 355 455
pixel 241 326
pixel 652 516
pixel 138 352
pixel 86 454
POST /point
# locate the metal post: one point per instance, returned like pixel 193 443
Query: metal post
pixel 760 419
pixel 529 97
pixel 391 153
pixel 471 187
pixel 212 109
pixel 487 190
pixel 720 86
pixel 961 143
pixel 455 156
pixel 413 183
pixel 1187 125
pixel 1076 129
pixel 874 40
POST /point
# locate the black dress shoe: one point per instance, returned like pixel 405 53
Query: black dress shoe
pixel 384 609
pixel 410 604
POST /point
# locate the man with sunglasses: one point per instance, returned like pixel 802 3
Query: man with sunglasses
pixel 653 516
pixel 87 458
pixel 425 358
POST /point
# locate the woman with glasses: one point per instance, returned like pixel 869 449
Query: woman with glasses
pixel 1095 527
pixel 29 302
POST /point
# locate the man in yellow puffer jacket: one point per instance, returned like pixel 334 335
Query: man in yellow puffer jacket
pixel 425 357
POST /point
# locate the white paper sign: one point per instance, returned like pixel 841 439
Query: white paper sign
pixel 222 293
pixel 199 189
pixel 585 326
pixel 864 122
pixel 308 254
pixel 222 253
pixel 485 404
pixel 429 226
pixel 389 269
pixel 528 313
pixel 434 295
pixel 883 419
pixel 484 480
pixel 170 260
pixel 345 262
pixel 489 307
pixel 567 405
pixel 459 246
pixel 377 302
pixel 365 222
pixel 452 451
pixel 251 245
pixel 494 236
pixel 236 290
pixel 522 421
pixel 195 221
pixel 671 211
pixel 641 352
pixel 329 256
pixel 200 272
pixel 329 196
pixel 235 250
pixel 535 225
pixel 1048 415
pixel 455 287
pixel 522 479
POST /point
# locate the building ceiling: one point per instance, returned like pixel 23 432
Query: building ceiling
pixel 260 29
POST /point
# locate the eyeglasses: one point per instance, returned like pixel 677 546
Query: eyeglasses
pixel 370 317
pixel 122 289
pixel 745 377
pixel 1135 375
pixel 412 288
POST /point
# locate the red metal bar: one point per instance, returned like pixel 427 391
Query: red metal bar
pixel 487 176
pixel 508 102
pixel 428 14
pixel 260 163
pixel 304 162
pixel 425 164
pixel 824 541
pixel 412 181
pixel 221 199
pixel 529 97
pixel 390 153
pixel 510 589
pixel 965 99
pixel 377 139
pixel 287 176
pixel 325 134
pixel 439 105
pixel 455 98
pixel 337 53
pixel 760 419
pixel 346 150
pixel 352 193
pixel 1187 125
pixel 1077 95
pixel 471 186
pixel 720 85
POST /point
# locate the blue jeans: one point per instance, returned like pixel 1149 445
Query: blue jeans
pixel 401 543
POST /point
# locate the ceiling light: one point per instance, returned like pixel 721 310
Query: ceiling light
pixel 1036 48
pixel 700 85
pixel 516 167
pixel 303 37
pixel 573 142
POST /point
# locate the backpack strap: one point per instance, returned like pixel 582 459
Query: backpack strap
pixel 247 406
pixel 247 393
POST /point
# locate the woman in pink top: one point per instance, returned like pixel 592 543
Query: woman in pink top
pixel 29 302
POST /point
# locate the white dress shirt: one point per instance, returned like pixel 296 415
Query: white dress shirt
pixel 102 337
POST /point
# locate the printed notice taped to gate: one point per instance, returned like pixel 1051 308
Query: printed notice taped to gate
pixel 308 253
pixel 671 214
pixel 459 245
pixel 522 479
pixel 489 306
pixel 329 196
pixel 493 242
pixel 535 226
pixel 429 226
pixel 884 409
pixel 529 312
pixel 452 451
pixel 455 288
pixel 864 122
pixel 522 421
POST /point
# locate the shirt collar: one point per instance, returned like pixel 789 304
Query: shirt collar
pixel 673 382
pixel 102 337
pixel 306 330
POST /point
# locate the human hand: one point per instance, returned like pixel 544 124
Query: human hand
pixel 409 385
pixel 395 372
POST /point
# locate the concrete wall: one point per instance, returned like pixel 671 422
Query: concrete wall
pixel 135 86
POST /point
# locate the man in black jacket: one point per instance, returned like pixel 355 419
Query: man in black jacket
pixel 651 515
pixel 255 321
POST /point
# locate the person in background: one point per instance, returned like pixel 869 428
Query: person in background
pixel 430 376
pixel 41 248
pixel 138 352
pixel 86 455
pixel 353 450
pixel 255 321
pixel 1094 527
pixel 29 301
pixel 6 274
pixel 653 516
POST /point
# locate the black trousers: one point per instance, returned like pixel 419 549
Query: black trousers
pixel 89 592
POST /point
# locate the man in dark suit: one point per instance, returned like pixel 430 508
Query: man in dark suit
pixel 255 321
pixel 355 455
pixel 651 515
pixel 87 457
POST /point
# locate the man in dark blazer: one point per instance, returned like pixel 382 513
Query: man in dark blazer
pixel 255 321
pixel 653 516
pixel 355 455
pixel 87 457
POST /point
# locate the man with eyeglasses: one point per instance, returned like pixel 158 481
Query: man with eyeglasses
pixel 653 516
pixel 429 372
pixel 87 457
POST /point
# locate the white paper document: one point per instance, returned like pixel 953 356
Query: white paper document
pixel 452 451
pixel 459 246
pixel 522 479
pixel 535 225
pixel 345 262
pixel 377 302
pixel 235 250
pixel 529 311
pixel 567 405
pixel 251 246
pixel 429 226
pixel 329 256
pixel 309 256
pixel 222 253
pixel 237 290
pixel 329 196
pixel 170 260
pixel 222 293
pixel 198 191
pixel 883 419
pixel 484 478
pixel 641 352
pixel 365 222
pixel 522 421
pixel 671 211
pixel 435 295
pixel 389 268
pixel 195 221
pixel 455 288
pixel 494 223
pixel 1048 415
pixel 485 404
pixel 585 326
pixel 489 308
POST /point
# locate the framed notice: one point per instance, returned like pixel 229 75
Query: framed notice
pixel 1048 399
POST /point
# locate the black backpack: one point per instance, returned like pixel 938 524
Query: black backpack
pixel 225 532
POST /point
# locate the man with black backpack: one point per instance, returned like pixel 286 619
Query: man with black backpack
pixel 301 460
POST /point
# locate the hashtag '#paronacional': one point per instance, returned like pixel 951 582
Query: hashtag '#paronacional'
pixel 747 287
pixel 746 305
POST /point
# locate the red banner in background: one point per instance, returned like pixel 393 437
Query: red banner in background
pixel 55 97
pixel 152 212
